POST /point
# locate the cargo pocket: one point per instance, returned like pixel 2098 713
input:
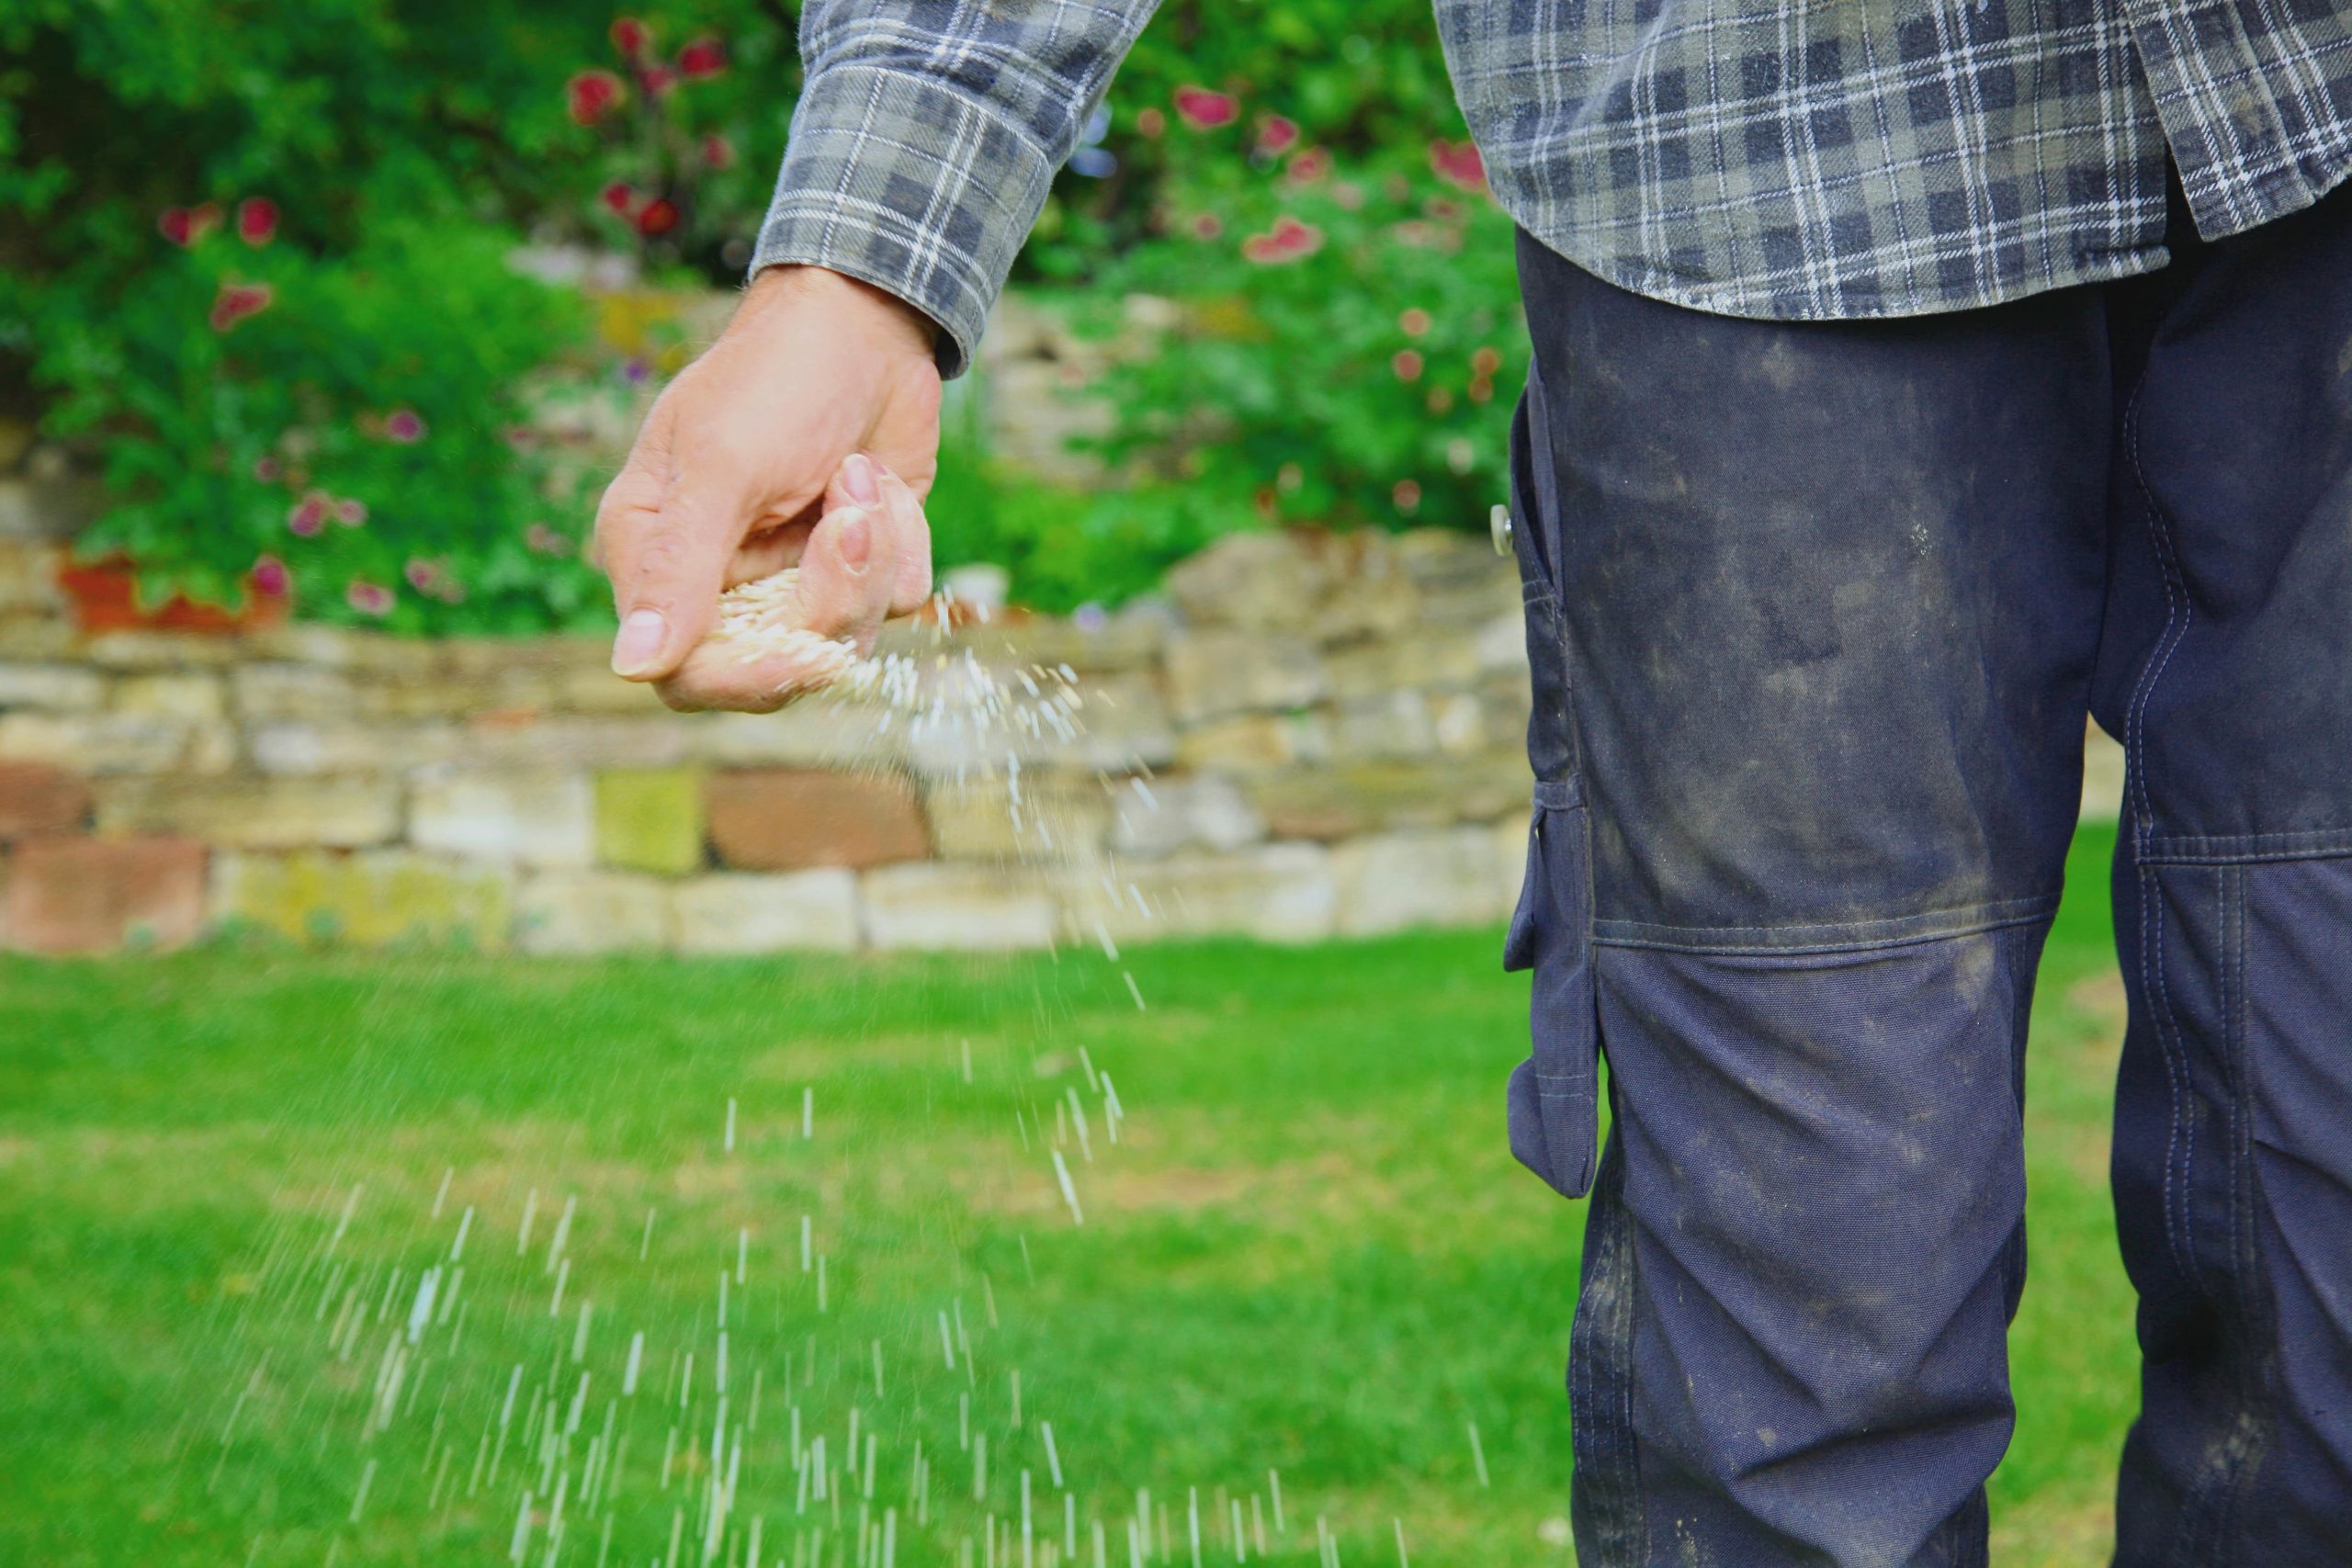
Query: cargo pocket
pixel 1551 1095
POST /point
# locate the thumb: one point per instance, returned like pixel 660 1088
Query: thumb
pixel 668 567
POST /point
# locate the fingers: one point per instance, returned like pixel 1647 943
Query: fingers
pixel 846 574
pixel 910 530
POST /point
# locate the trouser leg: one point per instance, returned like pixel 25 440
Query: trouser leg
pixel 1828 599
pixel 2227 673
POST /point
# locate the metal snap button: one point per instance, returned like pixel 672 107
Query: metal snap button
pixel 1498 524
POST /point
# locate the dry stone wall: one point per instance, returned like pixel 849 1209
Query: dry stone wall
pixel 1309 736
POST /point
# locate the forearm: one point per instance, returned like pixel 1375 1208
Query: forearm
pixel 926 140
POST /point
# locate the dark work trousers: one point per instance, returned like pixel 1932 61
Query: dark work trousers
pixel 1816 611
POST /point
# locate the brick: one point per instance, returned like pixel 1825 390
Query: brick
pixel 592 911
pixel 1272 892
pixel 58 688
pixel 1344 802
pixel 783 819
pixel 1120 724
pixel 250 813
pixel 273 692
pixel 935 907
pixel 1255 743
pixel 806 734
pixel 302 747
pixel 1396 881
pixel 38 798
pixel 82 895
pixel 650 819
pixel 1214 673
pixel 1252 580
pixel 1055 820
pixel 521 819
pixel 172 695
pixel 1395 728
pixel 373 898
pixel 802 909
pixel 114 743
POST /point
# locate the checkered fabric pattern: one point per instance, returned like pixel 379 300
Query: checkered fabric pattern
pixel 1793 159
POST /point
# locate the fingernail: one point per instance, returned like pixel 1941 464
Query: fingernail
pixel 857 539
pixel 639 643
pixel 857 478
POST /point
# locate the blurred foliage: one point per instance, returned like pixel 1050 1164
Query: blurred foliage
pixel 404 150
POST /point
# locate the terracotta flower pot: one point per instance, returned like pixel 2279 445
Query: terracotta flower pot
pixel 105 597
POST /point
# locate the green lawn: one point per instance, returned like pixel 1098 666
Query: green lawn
pixel 1308 1252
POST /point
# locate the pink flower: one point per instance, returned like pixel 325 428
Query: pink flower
pixel 702 59
pixel 1276 135
pixel 1458 163
pixel 350 513
pixel 1485 361
pixel 186 225
pixel 656 217
pixel 1414 322
pixel 256 221
pixel 1152 124
pixel 620 197
pixel 307 518
pixel 403 426
pixel 1407 363
pixel 718 153
pixel 1310 165
pixel 368 598
pixel 546 540
pixel 1407 495
pixel 657 80
pixel 590 94
pixel 1205 109
pixel 1208 226
pixel 1289 241
pixel 631 36
pixel 236 302
pixel 422 575
pixel 270 578
pixel 266 470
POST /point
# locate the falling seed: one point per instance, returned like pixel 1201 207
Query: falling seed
pixel 636 1362
pixel 645 1246
pixel 563 1275
pixel 1275 1487
pixel 946 1342
pixel 530 1209
pixel 447 1176
pixel 809 1111
pixel 562 1233
pixel 1129 977
pixel 805 1231
pixel 1070 1193
pixel 1402 1561
pixel 1053 1459
pixel 359 1498
pixel 1478 1455
pixel 742 1251
pixel 730 1124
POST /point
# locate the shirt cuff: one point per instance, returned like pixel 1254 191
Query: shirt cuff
pixel 903 182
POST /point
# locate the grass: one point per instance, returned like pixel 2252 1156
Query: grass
pixel 1308 1252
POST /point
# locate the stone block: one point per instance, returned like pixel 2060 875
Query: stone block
pixel 1390 882
pixel 817 733
pixel 273 692
pixel 28 576
pixel 80 895
pixel 593 911
pixel 254 813
pixel 129 651
pixel 1217 672
pixel 1391 728
pixel 786 819
pixel 372 898
pixel 1169 813
pixel 524 740
pixel 103 743
pixel 56 688
pixel 38 798
pixel 1409 661
pixel 935 906
pixel 1510 860
pixel 541 819
pixel 1253 581
pixel 740 913
pixel 191 695
pixel 305 746
pixel 650 819
pixel 1256 743
pixel 1120 724
pixel 1272 892
pixel 1500 645
pixel 1054 820
pixel 1342 802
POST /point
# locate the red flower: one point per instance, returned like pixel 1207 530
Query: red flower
pixel 1458 163
pixel 236 302
pixel 630 37
pixel 256 221
pixel 703 59
pixel 186 225
pixel 590 94
pixel 1407 363
pixel 1414 322
pixel 657 80
pixel 422 575
pixel 1289 241
pixel 1310 165
pixel 620 195
pixel 270 578
pixel 658 217
pixel 403 426
pixel 1152 124
pixel 1407 495
pixel 1276 135
pixel 1205 110
pixel 718 153
pixel 368 598
pixel 307 518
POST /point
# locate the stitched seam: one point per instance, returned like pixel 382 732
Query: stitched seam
pixel 2151 983
pixel 1891 925
pixel 2168 570
pixel 1823 949
pixel 2315 843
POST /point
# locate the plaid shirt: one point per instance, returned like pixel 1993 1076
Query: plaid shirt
pixel 1796 159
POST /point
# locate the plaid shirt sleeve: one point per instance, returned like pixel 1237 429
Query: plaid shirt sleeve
pixel 927 136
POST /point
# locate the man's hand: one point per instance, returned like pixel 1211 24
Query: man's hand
pixel 730 473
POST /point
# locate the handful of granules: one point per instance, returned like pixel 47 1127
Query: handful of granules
pixel 761 619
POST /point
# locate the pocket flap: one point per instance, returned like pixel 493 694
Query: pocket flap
pixel 1552 1098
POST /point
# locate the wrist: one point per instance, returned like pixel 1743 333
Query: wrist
pixel 795 283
